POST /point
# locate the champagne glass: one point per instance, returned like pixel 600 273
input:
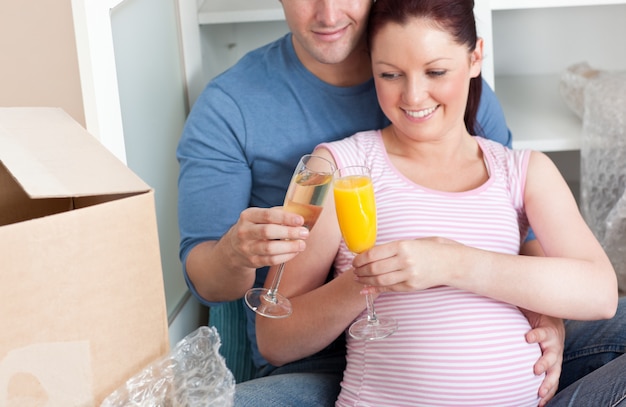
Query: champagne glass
pixel 305 196
pixel 356 212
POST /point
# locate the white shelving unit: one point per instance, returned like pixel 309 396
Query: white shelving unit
pixel 537 115
pixel 528 4
pixel 239 11
pixel 528 44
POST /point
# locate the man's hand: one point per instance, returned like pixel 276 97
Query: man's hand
pixel 266 237
pixel 549 333
pixel 224 270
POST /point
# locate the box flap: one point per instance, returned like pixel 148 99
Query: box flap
pixel 51 155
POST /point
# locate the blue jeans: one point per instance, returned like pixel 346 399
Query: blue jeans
pixel 594 363
pixel 605 386
pixel 594 371
pixel 310 382
pixel 590 345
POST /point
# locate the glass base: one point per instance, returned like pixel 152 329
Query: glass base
pixel 373 330
pixel 260 302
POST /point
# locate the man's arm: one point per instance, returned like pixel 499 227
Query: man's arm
pixel 223 241
pixel 224 270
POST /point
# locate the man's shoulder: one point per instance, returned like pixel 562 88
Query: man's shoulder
pixel 255 63
pixel 249 87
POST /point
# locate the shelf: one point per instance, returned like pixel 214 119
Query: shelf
pixel 527 4
pixel 536 113
pixel 239 11
pixel 244 11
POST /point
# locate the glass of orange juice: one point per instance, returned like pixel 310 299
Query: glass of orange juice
pixel 356 212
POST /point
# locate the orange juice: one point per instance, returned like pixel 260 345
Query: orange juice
pixel 356 211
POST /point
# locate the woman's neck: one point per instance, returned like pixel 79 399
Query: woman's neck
pixel 452 163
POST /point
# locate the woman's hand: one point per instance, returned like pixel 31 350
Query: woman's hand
pixel 406 265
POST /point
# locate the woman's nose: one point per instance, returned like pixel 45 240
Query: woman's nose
pixel 415 91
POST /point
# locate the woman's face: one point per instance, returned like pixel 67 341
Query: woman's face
pixel 422 78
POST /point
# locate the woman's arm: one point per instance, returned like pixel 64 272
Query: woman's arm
pixel 577 280
pixel 574 280
pixel 549 333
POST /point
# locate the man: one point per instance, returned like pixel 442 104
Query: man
pixel 241 142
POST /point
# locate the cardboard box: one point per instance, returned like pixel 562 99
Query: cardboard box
pixel 82 302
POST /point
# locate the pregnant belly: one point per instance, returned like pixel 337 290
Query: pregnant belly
pixel 451 348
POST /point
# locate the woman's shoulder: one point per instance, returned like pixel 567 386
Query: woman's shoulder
pixel 499 152
pixel 355 149
pixel 504 162
pixel 362 142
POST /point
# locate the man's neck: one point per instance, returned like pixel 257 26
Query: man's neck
pixel 354 70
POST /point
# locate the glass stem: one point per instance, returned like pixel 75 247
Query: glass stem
pixel 271 293
pixel 372 319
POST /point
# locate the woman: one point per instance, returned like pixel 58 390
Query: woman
pixel 453 278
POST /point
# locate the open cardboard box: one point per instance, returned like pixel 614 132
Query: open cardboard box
pixel 82 302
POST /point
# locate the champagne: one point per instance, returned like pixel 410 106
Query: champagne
pixel 306 195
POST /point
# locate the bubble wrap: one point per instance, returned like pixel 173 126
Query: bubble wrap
pixel 572 86
pixel 194 374
pixel 603 166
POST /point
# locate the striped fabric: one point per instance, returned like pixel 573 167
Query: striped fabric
pixel 452 347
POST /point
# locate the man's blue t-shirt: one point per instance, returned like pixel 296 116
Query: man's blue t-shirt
pixel 247 130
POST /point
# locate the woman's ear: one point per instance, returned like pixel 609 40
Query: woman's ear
pixel 476 58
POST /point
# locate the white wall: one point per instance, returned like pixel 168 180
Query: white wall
pixel 153 105
pixel 38 61
pixel 548 40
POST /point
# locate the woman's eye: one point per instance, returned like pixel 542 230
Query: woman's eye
pixel 389 75
pixel 436 73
